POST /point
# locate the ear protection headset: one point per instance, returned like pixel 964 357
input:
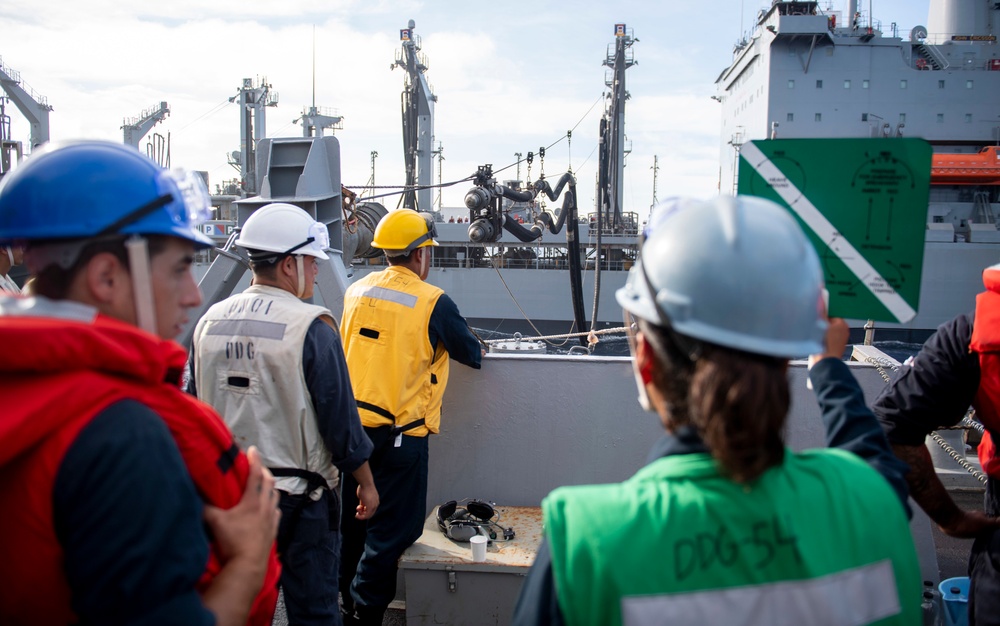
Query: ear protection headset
pixel 464 523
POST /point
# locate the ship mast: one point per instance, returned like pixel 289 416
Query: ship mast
pixel 253 127
pixel 613 142
pixel 418 121
pixel 315 120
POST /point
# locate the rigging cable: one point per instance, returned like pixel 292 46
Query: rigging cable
pixel 599 98
pixel 211 111
pixel 516 303
pixel 404 188
pixel 967 421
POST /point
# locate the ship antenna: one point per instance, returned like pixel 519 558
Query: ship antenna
pixel 741 18
pixel 569 147
pixel 314 68
pixel 656 171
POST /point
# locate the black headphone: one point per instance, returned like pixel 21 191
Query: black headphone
pixel 476 518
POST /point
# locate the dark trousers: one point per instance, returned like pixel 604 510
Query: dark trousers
pixel 371 548
pixel 311 560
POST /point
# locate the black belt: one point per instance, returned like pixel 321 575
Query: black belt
pixel 396 430
pixel 314 481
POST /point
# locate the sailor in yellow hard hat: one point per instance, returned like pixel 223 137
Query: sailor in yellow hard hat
pixel 398 333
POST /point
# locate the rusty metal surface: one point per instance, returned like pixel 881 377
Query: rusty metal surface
pixel 436 551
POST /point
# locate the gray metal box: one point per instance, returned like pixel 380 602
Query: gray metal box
pixel 444 585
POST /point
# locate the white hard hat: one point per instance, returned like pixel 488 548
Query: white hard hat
pixel 735 272
pixel 282 229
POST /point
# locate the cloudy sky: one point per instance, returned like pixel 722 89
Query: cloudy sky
pixel 510 76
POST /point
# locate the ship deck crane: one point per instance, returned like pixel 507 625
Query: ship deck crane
pixel 135 128
pixel 35 108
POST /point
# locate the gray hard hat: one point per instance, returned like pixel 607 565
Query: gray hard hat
pixel 736 272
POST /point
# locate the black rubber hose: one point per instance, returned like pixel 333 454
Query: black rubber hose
pixel 575 270
pixel 513 194
pixel 519 231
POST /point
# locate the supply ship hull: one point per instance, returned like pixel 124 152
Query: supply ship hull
pixel 806 73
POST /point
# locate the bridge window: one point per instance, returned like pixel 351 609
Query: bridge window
pixel 902 118
pixel 968 84
pixel 968 118
pixel 864 117
pixel 940 118
pixel 819 117
pixel 790 117
pixel 847 84
pixel 791 83
pixel 902 84
pixel 940 84
pixel 864 84
pixel 819 84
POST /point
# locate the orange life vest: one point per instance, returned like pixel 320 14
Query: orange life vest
pixel 56 376
pixel 986 343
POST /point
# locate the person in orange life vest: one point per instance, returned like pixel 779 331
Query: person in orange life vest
pixel 958 367
pixel 125 500
pixel 10 256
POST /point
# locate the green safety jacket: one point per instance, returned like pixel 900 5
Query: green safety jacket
pixel 821 538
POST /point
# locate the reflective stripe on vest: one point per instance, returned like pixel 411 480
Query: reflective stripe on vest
pixel 849 598
pixel 389 295
pixel 679 532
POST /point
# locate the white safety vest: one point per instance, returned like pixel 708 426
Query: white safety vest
pixel 248 365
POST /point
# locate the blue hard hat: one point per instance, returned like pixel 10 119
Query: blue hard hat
pixel 735 272
pixel 85 189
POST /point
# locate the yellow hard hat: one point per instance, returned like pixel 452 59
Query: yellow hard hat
pixel 404 230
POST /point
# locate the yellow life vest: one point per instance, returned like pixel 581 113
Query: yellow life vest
pixel 398 377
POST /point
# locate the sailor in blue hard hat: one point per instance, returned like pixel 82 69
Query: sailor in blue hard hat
pixel 76 198
pixel 123 498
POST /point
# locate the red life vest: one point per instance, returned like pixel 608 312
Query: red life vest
pixel 56 376
pixel 986 343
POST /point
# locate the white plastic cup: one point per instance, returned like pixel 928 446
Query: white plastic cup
pixel 478 544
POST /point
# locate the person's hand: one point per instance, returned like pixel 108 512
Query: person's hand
pixel 970 524
pixel 368 501
pixel 247 531
pixel 835 342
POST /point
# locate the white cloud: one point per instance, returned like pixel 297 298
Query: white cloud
pixel 509 78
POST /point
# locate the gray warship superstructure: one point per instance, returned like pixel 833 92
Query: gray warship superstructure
pixel 806 72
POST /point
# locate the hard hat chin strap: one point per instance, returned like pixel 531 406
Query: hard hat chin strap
pixel 300 266
pixel 142 284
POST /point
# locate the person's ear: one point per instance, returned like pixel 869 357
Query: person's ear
pixel 104 275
